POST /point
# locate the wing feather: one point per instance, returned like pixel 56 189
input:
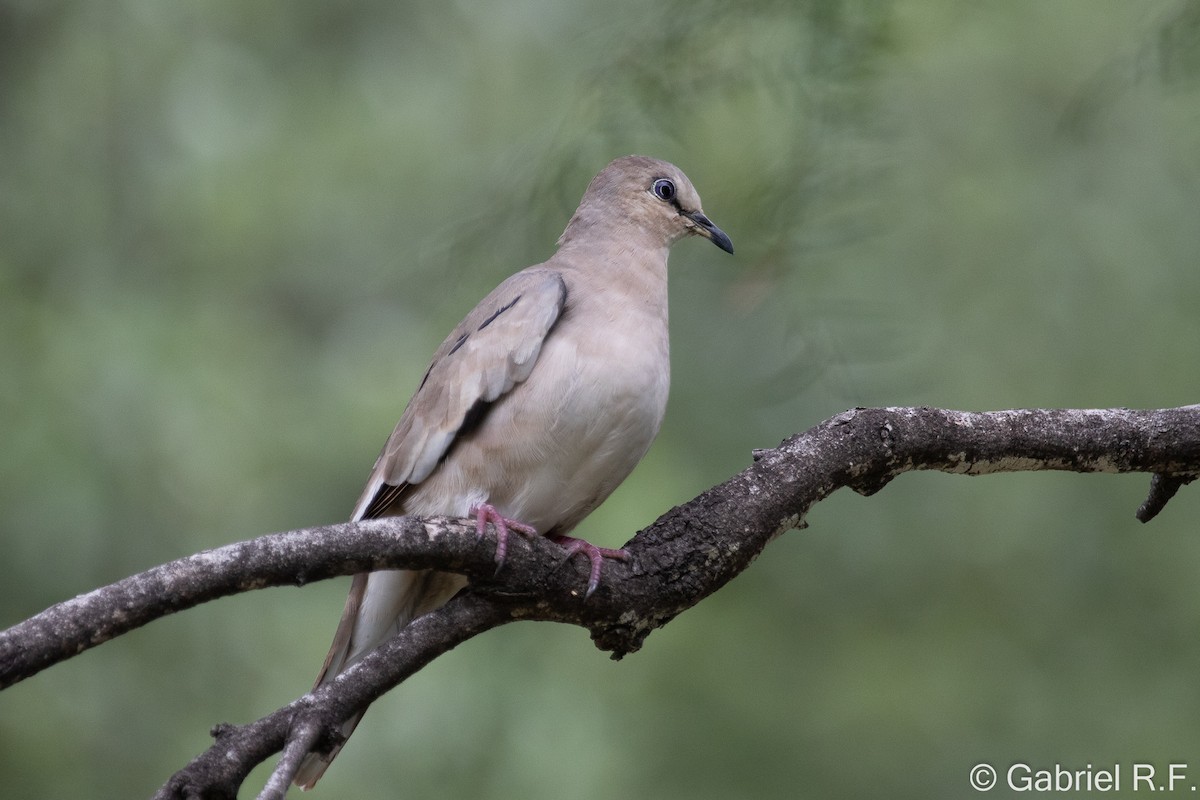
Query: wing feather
pixel 492 350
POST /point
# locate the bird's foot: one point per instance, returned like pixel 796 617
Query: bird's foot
pixel 485 513
pixel 595 554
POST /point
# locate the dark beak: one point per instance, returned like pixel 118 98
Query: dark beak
pixel 705 227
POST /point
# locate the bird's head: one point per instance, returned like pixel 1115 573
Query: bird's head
pixel 646 195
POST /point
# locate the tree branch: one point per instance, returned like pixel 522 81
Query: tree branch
pixel 690 552
pixel 219 771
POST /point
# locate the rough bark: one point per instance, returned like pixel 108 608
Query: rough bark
pixel 687 554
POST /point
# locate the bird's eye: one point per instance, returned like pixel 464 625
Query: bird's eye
pixel 663 189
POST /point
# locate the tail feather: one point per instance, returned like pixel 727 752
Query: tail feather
pixel 379 606
pixel 314 764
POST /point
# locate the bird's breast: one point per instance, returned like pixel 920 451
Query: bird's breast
pixel 596 408
pixel 552 449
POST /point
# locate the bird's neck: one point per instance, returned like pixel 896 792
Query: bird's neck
pixel 594 230
pixel 624 270
pixel 624 243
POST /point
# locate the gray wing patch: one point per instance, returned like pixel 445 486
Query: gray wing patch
pixel 493 349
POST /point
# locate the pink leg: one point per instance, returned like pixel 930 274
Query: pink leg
pixel 595 554
pixel 485 513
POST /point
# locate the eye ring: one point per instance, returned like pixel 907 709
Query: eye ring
pixel 664 189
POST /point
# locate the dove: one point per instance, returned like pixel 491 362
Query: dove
pixel 537 405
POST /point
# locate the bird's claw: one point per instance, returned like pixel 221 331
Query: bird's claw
pixel 596 556
pixel 485 513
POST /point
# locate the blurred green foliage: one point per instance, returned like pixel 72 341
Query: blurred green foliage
pixel 233 233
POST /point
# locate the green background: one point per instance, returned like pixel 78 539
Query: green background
pixel 232 233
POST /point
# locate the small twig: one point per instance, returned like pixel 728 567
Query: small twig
pixel 301 740
pixel 1162 488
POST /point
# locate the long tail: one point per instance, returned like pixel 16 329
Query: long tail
pixel 379 605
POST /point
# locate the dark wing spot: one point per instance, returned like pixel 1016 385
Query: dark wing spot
pixel 474 418
pixel 471 421
pixel 422 386
pixel 498 312
pixel 384 498
pixel 461 341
